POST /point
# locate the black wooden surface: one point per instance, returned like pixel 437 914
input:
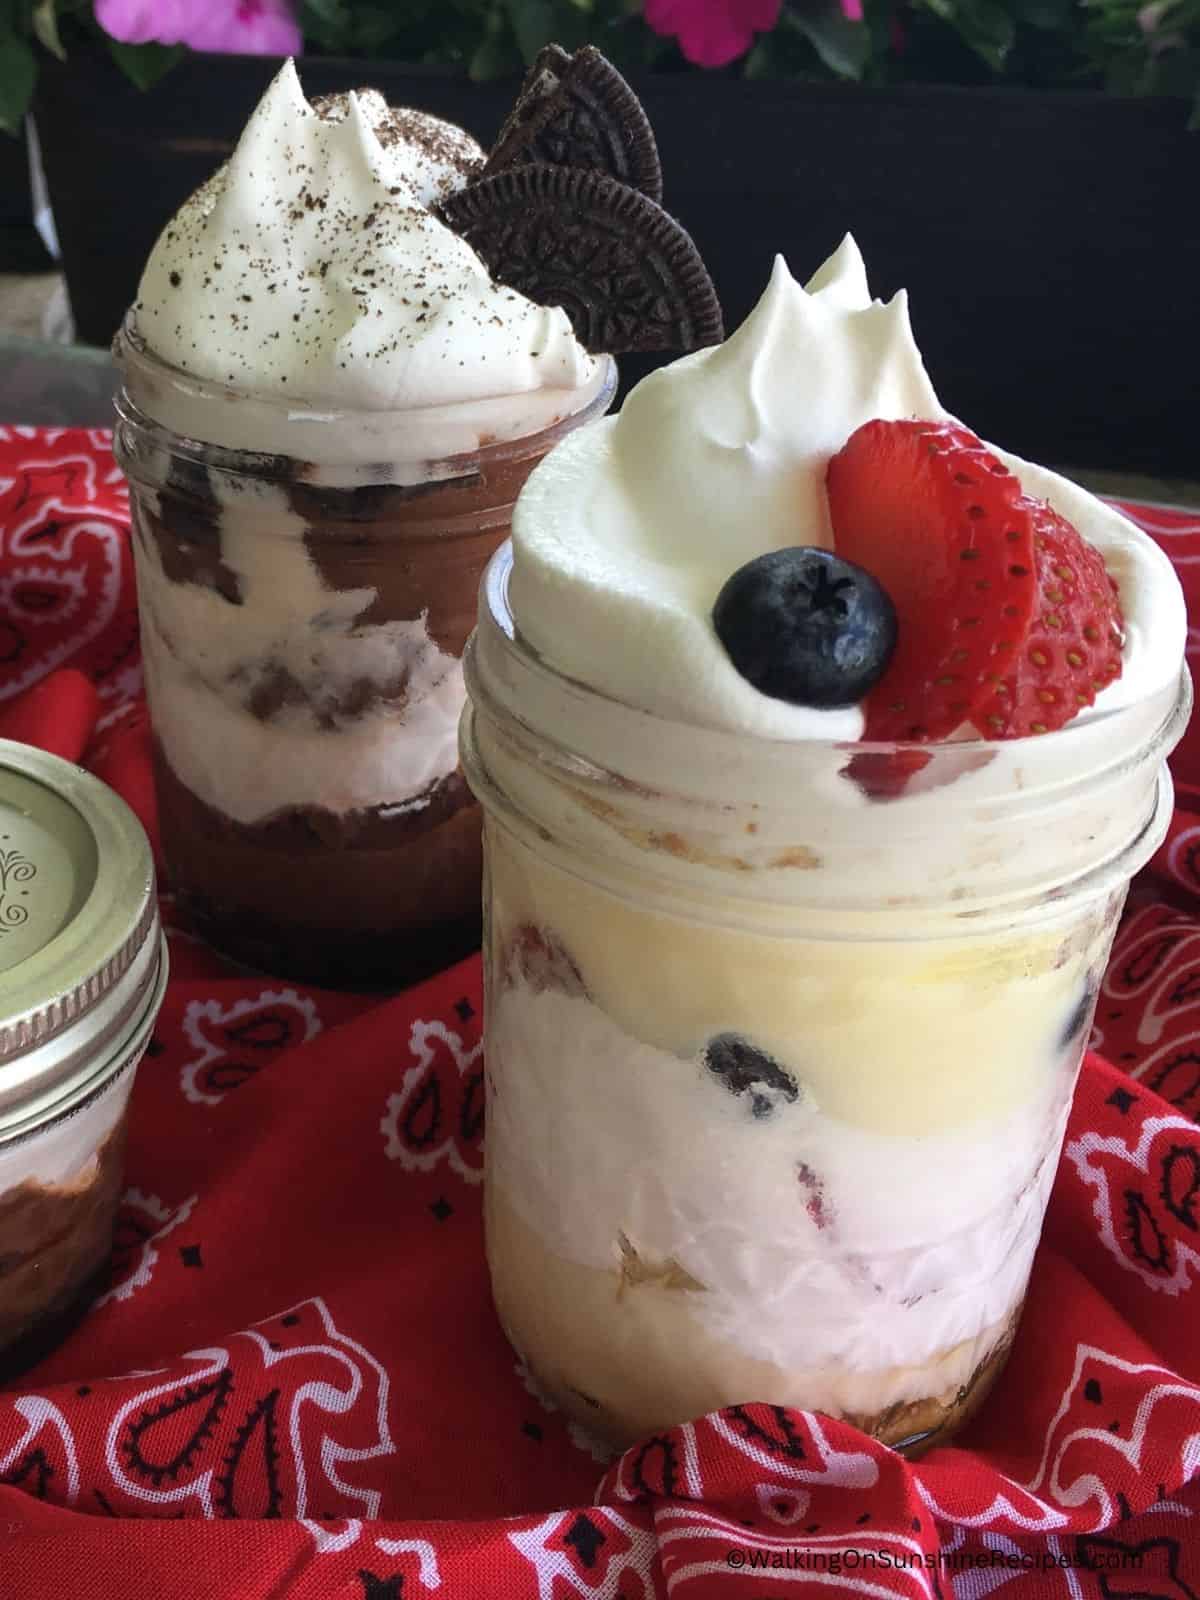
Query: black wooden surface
pixel 1049 242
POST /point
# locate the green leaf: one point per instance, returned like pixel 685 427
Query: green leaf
pixel 145 64
pixel 497 55
pixel 533 24
pixel 760 61
pixel 629 46
pixel 1052 16
pixel 1174 71
pixel 331 11
pixel 844 46
pixel 45 25
pixel 18 74
pixel 982 24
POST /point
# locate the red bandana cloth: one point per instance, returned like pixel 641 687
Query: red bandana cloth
pixel 294 1383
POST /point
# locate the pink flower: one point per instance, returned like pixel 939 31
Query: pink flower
pixel 852 10
pixel 712 33
pixel 1150 16
pixel 232 27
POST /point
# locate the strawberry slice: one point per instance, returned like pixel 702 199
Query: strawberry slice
pixel 1073 648
pixel 981 576
pixel 939 522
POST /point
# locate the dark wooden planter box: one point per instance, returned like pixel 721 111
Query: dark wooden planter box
pixel 1048 239
pixel 21 249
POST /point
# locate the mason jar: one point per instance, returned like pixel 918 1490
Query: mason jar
pixel 306 582
pixel 83 967
pixel 781 1040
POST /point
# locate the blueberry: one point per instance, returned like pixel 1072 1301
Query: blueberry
pixel 741 1067
pixel 803 625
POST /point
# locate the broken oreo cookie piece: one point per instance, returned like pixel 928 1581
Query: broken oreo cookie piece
pixel 742 1068
pixel 627 275
pixel 578 111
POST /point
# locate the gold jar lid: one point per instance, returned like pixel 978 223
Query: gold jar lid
pixel 83 961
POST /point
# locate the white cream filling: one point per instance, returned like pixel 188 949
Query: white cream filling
pixel 204 658
pixel 63 1154
pixel 927 1239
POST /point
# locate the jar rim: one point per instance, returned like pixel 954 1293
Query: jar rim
pixel 710 815
pixel 121 1053
pixel 91 947
pixel 251 433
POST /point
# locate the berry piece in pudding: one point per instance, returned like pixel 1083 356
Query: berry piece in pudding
pixel 537 958
pixel 1008 621
pixel 803 625
pixel 742 1068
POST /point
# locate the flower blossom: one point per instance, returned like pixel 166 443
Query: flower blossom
pixel 228 27
pixel 712 33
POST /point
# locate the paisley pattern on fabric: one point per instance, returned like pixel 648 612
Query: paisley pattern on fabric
pixel 294 1382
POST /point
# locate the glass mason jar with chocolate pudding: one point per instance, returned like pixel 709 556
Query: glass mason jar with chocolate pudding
pixel 83 967
pixel 302 626
pixel 348 351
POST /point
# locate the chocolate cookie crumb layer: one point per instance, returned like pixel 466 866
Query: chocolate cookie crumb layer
pixel 368 900
pixel 55 1241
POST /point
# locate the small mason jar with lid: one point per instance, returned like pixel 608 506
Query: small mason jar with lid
pixel 83 967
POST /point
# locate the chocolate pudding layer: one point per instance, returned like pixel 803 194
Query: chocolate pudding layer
pixel 363 900
pixel 55 1240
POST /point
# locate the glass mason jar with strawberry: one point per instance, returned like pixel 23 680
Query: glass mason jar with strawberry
pixel 817 742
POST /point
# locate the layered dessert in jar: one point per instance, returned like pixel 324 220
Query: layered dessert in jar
pixel 348 350
pixel 817 742
pixel 82 973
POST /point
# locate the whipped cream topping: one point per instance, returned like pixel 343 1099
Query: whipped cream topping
pixel 627 532
pixel 311 266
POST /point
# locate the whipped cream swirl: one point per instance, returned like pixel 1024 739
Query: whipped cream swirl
pixel 624 535
pixel 311 267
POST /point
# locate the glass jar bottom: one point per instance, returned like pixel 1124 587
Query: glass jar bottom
pixel 367 902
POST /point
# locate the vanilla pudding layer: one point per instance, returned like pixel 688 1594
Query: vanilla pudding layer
pixel 882 1200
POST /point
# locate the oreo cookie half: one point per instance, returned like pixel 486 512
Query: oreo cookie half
pixel 578 111
pixel 627 275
